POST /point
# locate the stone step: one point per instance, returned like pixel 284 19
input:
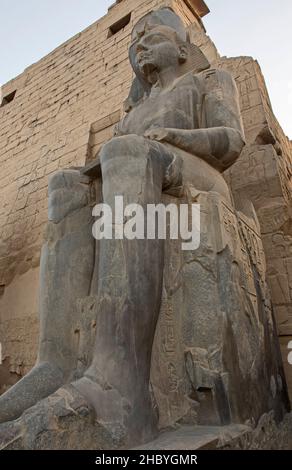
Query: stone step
pixel 197 438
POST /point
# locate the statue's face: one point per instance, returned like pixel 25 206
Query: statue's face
pixel 155 50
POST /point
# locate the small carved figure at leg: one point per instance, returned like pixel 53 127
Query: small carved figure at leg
pixel 65 276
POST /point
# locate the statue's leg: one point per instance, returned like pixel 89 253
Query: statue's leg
pixel 65 276
pixel 129 292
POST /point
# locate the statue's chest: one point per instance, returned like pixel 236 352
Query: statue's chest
pixel 178 108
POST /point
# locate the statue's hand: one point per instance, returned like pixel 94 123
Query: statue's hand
pixel 156 133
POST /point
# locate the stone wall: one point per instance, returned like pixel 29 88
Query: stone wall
pixel 64 108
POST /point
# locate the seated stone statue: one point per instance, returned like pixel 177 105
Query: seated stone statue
pixel 182 129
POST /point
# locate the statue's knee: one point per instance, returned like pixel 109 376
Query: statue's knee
pixel 131 145
pixel 64 179
pixel 68 191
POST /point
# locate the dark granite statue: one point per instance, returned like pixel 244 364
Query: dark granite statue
pixel 214 358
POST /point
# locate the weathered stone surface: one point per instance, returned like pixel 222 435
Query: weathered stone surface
pixel 82 82
pixel 63 421
pixel 66 422
pixel 207 352
pixel 215 358
pixel 267 435
pixel 70 109
pixel 19 328
pixel 263 175
pixel 198 438
pixel 65 277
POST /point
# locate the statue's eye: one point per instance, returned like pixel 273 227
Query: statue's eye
pixel 136 37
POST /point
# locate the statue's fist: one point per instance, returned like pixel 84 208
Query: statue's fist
pixel 156 133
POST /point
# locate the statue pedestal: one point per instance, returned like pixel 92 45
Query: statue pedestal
pixel 198 438
pixel 65 422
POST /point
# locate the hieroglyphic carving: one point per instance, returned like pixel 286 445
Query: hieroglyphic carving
pixel 229 221
pixel 227 235
pixel 169 342
pixel 248 281
pixel 254 246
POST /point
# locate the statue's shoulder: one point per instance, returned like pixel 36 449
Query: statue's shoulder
pixel 206 80
pixel 216 78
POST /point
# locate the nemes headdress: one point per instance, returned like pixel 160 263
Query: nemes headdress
pixel 162 17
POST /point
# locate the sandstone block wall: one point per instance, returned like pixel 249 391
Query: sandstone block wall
pixel 64 109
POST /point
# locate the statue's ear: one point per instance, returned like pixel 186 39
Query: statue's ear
pixel 137 92
pixel 183 53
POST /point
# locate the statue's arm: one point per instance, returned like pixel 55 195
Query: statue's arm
pixel 220 139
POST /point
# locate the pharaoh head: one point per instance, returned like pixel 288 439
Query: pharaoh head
pixel 159 41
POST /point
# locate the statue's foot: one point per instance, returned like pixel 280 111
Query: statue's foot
pixel 63 421
pixel 137 421
pixel 66 421
pixel 43 380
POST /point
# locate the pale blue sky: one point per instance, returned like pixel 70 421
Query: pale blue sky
pixel 260 28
